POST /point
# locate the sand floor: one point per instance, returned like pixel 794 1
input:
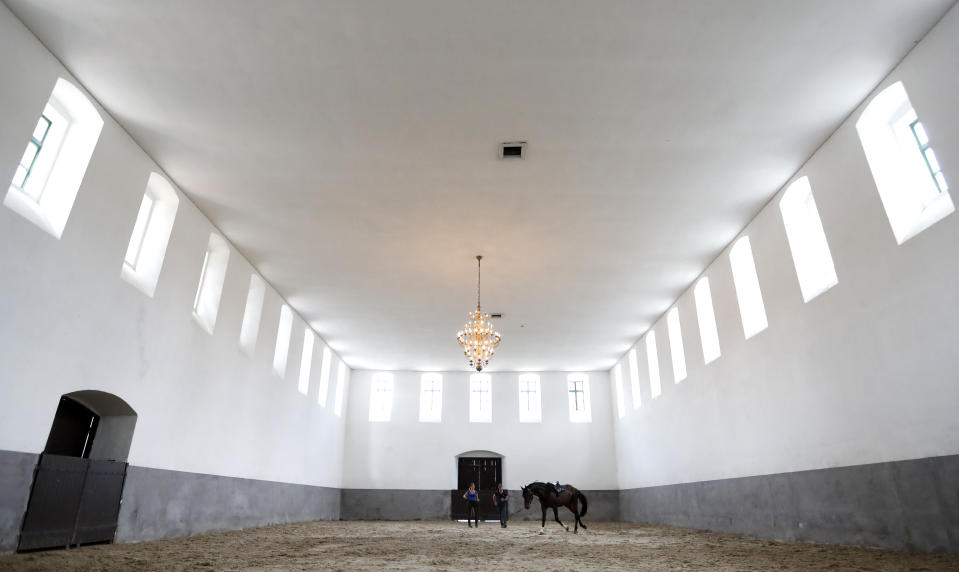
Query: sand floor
pixel 453 546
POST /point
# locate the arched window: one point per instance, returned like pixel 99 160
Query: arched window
pixel 431 398
pixel 49 174
pixel 282 349
pixel 707 320
pixel 381 397
pixel 676 350
pixel 908 176
pixel 634 379
pixel 530 403
pixel 750 297
pixel 306 361
pixel 206 304
pixel 342 378
pixel 150 235
pixel 325 366
pixel 652 357
pixel 807 240
pixel 250 329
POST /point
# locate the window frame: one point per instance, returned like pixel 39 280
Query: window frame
pixel 577 415
pixel 381 397
pixel 481 409
pixel 533 413
pixel 431 406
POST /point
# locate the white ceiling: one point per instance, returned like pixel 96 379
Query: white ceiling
pixel 348 149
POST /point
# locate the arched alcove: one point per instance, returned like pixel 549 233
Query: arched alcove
pixel 485 468
pixel 92 424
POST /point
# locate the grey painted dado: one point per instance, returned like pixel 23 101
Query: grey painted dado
pixel 164 504
pixel 395 504
pixel 390 504
pixel 16 478
pixel 904 504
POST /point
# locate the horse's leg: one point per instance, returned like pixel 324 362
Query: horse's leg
pixel 542 526
pixel 556 516
pixel 573 507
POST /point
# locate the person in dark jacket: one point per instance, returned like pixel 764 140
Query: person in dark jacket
pixel 501 499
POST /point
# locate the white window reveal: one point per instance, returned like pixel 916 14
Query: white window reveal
pixel 381 397
pixel 577 387
pixel 431 398
pixel 282 349
pixel 909 178
pixel 707 320
pixel 306 361
pixel 324 376
pixel 150 236
pixel 206 304
pixel 342 378
pixel 750 297
pixel 250 329
pixel 530 402
pixel 676 350
pixel 481 398
pixel 46 181
pixel 634 379
pixel 620 401
pixel 652 356
pixel 807 240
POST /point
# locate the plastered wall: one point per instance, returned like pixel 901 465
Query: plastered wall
pixel 865 373
pixel 407 454
pixel 68 322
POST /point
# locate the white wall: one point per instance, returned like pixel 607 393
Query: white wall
pixel 407 454
pixel 866 372
pixel 68 322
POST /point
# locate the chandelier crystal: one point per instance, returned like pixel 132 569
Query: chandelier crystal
pixel 478 338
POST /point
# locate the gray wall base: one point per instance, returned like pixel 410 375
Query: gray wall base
pixel 901 505
pixel 396 504
pixel 16 478
pixel 163 504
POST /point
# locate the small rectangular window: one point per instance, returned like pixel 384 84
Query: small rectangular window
pixel 283 340
pixel 481 399
pixel 578 391
pixel 618 380
pixel 250 329
pixel 325 366
pixel 381 397
pixel 342 376
pixel 206 304
pixel 676 345
pixel 431 398
pixel 707 320
pixel 634 379
pixel 751 307
pixel 652 356
pixel 306 361
pixel 530 403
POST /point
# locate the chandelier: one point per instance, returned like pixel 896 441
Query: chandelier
pixel 478 338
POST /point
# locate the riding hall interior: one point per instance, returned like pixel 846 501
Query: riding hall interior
pixel 243 235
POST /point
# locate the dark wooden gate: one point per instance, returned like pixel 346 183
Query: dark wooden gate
pixel 73 501
pixel 487 473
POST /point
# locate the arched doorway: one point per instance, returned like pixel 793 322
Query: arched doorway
pixel 78 481
pixel 485 468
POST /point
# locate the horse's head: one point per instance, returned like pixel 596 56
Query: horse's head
pixel 527 496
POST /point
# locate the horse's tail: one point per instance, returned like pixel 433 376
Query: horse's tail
pixel 582 499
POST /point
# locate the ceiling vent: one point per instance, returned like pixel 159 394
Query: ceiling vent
pixel 514 150
pixel 496 315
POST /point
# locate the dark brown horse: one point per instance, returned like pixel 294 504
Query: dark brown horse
pixel 549 498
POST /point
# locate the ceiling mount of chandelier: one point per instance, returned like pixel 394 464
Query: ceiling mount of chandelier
pixel 478 338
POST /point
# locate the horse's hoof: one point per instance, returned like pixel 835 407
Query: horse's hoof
pixel 575 532
pixel 567 529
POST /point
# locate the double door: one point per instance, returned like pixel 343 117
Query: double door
pixel 487 473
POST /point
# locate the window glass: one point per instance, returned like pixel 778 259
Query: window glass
pixel 530 407
pixel 807 240
pixel 751 307
pixel 481 401
pixel 655 387
pixel 578 391
pixel 381 397
pixel 431 398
